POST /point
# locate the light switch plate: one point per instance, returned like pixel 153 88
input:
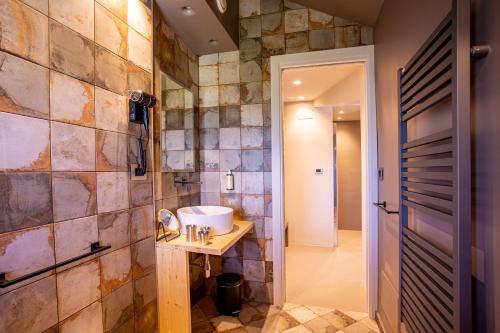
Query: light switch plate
pixel 132 173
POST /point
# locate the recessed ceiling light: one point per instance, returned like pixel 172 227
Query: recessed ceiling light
pixel 187 10
pixel 339 118
pixel 213 42
pixel 341 111
pixel 297 82
pixel 301 97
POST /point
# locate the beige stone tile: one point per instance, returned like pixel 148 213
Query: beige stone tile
pixel 143 257
pixel 137 78
pixel 30 309
pixel 74 195
pixel 253 270
pixel 111 111
pixel 357 328
pixel 73 237
pixel 251 115
pixel 114 229
pixel 75 14
pixel 110 31
pixel 139 50
pixel 24 87
pixel 85 321
pixel 229 73
pixel 356 315
pixel 141 191
pixel 296 20
pixel 118 307
pixel 40 5
pixel 139 18
pixel 209 96
pixel 229 94
pixel 302 314
pixel 25 251
pixel 338 319
pixel 146 319
pixel 320 311
pixel 71 53
pixel 116 269
pixel 71 100
pixel 209 75
pixel 72 147
pixel 16 18
pixel 112 191
pixel 25 141
pixel 117 7
pixel 225 323
pixel 77 287
pixel 110 71
pixel 298 329
pixel 370 323
pixel 319 20
pixel 111 151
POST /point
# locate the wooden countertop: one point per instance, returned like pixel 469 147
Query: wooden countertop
pixel 217 245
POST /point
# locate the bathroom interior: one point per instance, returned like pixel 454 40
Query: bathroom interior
pixel 140 142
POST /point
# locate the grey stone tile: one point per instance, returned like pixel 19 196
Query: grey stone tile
pixel 229 72
pixel 209 138
pixel 257 292
pixel 111 151
pixel 254 270
pixel 342 22
pixel 143 257
pixel 271 6
pixel 71 53
pixel 116 269
pixel 252 183
pixel 250 48
pixel 230 160
pixel 296 20
pixel 292 5
pixel 273 45
pixel 268 183
pixel 253 205
pixel 229 116
pixel 25 87
pixel 209 96
pixel 77 15
pixel 141 191
pixel 209 117
pixel 88 320
pixel 266 68
pixel 174 119
pixel 366 35
pixel 231 56
pixel 140 50
pixel 209 75
pixel 146 319
pixel 74 195
pixel 250 71
pixel 249 8
pixel 348 36
pixel 232 200
pixel 209 59
pixel 144 290
pixel 112 191
pixel 268 160
pixel 110 31
pixel 141 223
pixel 252 160
pixel 229 94
pixel 268 206
pixel 230 138
pixel 321 39
pixel 251 93
pixel 114 229
pixel 273 24
pixel 118 307
pixel 266 92
pixel 73 237
pixel 209 160
pixel 250 27
pixel 297 42
pixel 36 207
pixel 251 137
pixel 210 198
pixel 110 71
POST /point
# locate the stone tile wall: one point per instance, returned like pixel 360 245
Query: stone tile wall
pixel 235 120
pixel 65 149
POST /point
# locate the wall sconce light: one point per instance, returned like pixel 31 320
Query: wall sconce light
pixel 305 114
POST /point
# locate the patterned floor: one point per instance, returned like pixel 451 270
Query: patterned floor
pixel 291 318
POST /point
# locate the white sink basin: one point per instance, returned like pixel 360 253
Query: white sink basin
pixel 218 218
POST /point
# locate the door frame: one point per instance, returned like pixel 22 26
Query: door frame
pixel 369 162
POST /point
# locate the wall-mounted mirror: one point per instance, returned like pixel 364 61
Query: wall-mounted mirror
pixel 177 126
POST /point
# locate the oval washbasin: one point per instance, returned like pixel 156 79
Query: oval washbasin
pixel 218 218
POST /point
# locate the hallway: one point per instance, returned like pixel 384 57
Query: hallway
pixel 326 277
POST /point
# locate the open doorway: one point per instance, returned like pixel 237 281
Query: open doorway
pixel 325 179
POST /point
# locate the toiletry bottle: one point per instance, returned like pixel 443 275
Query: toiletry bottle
pixel 229 180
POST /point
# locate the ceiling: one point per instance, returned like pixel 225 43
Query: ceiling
pixel 205 25
pixel 315 80
pixel 361 11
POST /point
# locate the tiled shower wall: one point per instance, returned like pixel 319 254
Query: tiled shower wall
pixel 235 122
pixel 65 148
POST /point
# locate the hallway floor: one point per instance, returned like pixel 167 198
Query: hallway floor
pixel 336 282
pixel 292 318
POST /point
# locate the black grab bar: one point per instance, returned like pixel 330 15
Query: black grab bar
pixel 383 205
pixel 94 248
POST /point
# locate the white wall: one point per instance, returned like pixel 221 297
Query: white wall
pixel 308 145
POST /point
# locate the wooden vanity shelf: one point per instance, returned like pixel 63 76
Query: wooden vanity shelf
pixel 172 262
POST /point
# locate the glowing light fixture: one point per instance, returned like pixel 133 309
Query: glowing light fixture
pixel 213 42
pixel 187 11
pixel 301 97
pixel 341 111
pixel 304 114
pixel 297 82
pixel 339 118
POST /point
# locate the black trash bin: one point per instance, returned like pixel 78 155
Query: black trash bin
pixel 229 293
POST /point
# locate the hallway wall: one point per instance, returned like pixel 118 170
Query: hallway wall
pixel 308 197
pixel 349 174
pixel 398 35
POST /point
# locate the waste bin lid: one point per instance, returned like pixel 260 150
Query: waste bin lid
pixel 229 279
